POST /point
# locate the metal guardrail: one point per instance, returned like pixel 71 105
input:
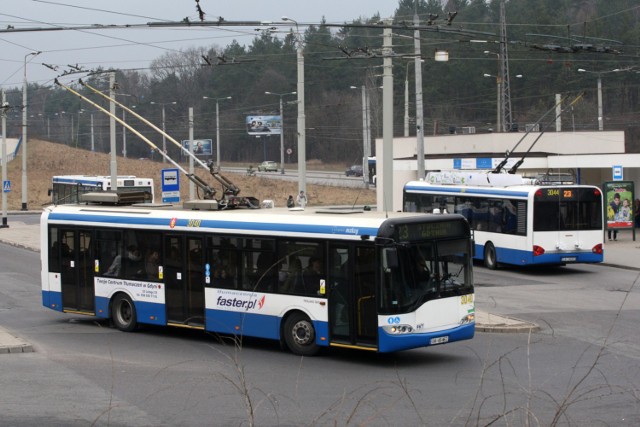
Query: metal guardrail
pixel 12 156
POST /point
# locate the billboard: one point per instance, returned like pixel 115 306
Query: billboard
pixel 264 125
pixel 201 147
pixel 618 204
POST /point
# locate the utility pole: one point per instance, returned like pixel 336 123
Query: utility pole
pixel 112 131
pixel 3 111
pixel 385 203
pixel 192 187
pixel 419 106
pixel 507 119
pixel 24 132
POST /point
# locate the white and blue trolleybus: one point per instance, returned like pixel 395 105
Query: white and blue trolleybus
pixel 308 278
pixel 69 188
pixel 516 220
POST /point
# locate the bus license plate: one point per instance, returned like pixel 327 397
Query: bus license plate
pixel 568 258
pixel 439 340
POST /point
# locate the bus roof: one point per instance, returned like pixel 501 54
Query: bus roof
pixel 517 191
pixel 346 224
pixel 88 179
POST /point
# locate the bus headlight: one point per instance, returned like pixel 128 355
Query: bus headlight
pixel 469 318
pixel 398 329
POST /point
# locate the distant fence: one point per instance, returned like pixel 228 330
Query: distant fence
pixel 12 155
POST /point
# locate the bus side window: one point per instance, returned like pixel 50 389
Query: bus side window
pixel 54 251
pixel 109 252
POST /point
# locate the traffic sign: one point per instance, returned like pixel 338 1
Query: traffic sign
pixel 170 186
pixel 6 186
pixel 618 173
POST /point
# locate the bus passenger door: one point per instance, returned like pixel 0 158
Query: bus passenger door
pixel 76 270
pixel 352 306
pixel 184 272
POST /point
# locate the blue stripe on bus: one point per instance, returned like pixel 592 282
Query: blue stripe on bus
pixel 520 257
pixel 242 323
pixel 52 300
pixel 390 343
pixel 217 224
pixel 465 190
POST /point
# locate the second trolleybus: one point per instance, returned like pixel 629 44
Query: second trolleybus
pixel 69 188
pixel 515 220
pixel 311 279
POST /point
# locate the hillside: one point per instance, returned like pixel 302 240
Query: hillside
pixel 46 159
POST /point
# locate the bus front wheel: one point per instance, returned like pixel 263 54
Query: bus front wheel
pixel 490 259
pixel 123 313
pixel 300 335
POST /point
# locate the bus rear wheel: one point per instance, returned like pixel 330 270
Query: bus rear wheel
pixel 123 313
pixel 490 259
pixel 300 335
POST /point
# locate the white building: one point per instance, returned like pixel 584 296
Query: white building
pixel 590 155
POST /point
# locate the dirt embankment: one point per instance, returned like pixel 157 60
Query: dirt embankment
pixel 47 159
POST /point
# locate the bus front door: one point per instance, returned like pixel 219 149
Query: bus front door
pixel 76 270
pixel 184 272
pixel 352 303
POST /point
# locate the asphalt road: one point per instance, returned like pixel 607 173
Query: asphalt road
pixel 583 366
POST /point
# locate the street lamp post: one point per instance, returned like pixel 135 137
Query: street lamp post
pixel 499 91
pixel 302 146
pixel 164 138
pixel 366 135
pixel 24 132
pixel 599 74
pixel 217 126
pixel 281 127
pixel 406 100
pixel 498 99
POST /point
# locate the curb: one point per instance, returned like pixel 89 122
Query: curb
pixel 486 322
pixel 625 267
pixel 12 344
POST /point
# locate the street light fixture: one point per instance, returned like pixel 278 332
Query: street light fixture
pixel 281 127
pixel 124 128
pixel 164 139
pixel 217 126
pixel 24 131
pixel 599 74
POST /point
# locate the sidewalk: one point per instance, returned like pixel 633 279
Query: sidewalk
pixel 623 253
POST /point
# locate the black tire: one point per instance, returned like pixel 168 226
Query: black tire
pixel 123 313
pixel 300 335
pixel 490 259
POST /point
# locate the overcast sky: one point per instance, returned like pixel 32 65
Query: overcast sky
pixel 136 48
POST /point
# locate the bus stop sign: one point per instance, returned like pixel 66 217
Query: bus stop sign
pixel 170 186
pixel 617 172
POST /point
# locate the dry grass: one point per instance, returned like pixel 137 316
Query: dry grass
pixel 46 159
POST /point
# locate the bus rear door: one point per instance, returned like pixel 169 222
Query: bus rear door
pixel 76 270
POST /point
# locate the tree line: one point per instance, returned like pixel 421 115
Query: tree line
pixel 548 41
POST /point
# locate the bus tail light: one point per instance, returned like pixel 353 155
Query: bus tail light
pixel 597 249
pixel 538 250
pixel 596 192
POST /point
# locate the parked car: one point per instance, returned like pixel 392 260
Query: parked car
pixel 268 166
pixel 355 170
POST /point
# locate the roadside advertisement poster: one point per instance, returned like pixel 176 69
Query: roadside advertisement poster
pixel 264 125
pixel 201 147
pixel 618 204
